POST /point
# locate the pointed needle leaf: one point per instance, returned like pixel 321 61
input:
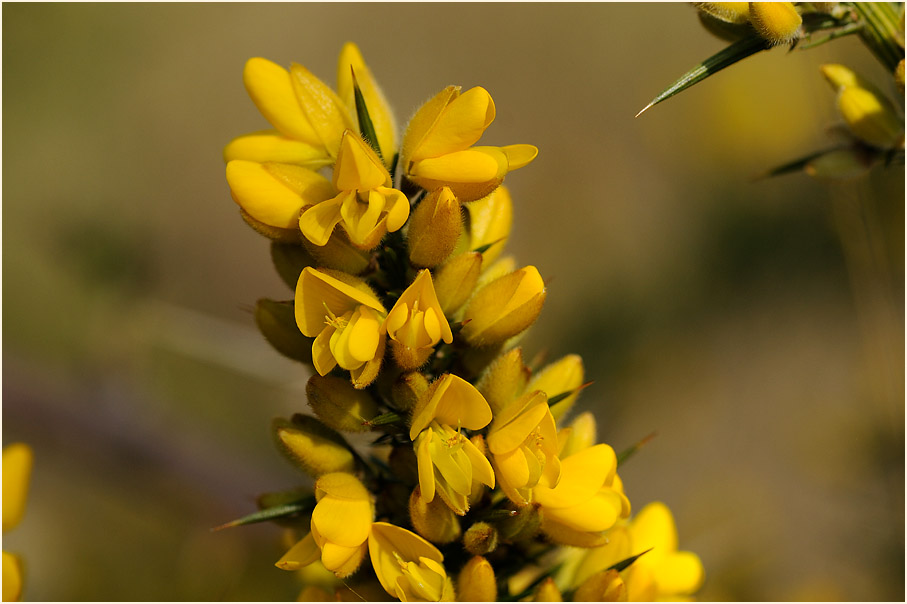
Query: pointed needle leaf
pixel 628 561
pixel 278 511
pixel 366 127
pixel 794 166
pixel 632 449
pixel 559 397
pixel 737 51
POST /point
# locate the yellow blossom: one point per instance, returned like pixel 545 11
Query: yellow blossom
pixel 367 207
pixel 346 320
pixel 438 145
pixel 523 442
pixel 448 462
pixel 408 567
pixel 560 377
pixel 663 573
pixel 589 498
pixel 416 323
pixel 340 526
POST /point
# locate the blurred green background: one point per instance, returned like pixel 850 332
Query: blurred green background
pixel 757 326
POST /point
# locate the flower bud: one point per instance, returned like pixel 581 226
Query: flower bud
pixel 870 117
pixel 547 591
pixel 277 323
pixel 729 12
pixel 290 236
pixel 434 228
pixel 841 76
pixel 476 582
pixel 339 405
pixel 605 586
pixel 580 435
pixel 504 307
pixel 840 164
pixel 504 380
pixel 729 32
pixel 17 464
pixel 777 22
pixel 433 519
pixel 312 446
pixel 563 376
pixel 480 539
pixel 456 280
pixel 408 388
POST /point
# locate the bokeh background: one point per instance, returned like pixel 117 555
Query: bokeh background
pixel 756 325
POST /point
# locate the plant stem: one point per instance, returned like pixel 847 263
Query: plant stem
pixel 881 32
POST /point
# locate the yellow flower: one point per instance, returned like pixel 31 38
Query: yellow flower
pixel 505 307
pixel 586 501
pixel 17 464
pixel 340 527
pixel 275 194
pixel 564 375
pixel 367 207
pixel 346 320
pixel 438 151
pixel 660 574
pixel 871 117
pixel 777 22
pixel 523 442
pixel 408 567
pixel 449 463
pixel 416 323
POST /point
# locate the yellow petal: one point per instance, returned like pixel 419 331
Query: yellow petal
pixel 423 120
pixel 476 582
pixel 455 280
pixel 275 193
pixel 385 540
pixel 459 125
pixel 302 554
pixel 582 475
pixel 321 106
pixel 597 513
pixel 490 220
pixel 378 108
pixel 504 307
pixel 358 168
pixel 519 155
pixel 512 468
pixel 560 377
pixel 454 402
pixel 344 522
pixel 680 573
pixel 17 464
pixel 363 342
pixel 341 485
pixel 481 468
pixel 423 461
pixel 397 207
pixel 269 145
pixel 318 292
pixel 322 357
pixel 870 117
pixel 654 527
pixel 473 165
pixel 516 421
pixel 318 222
pixel 272 92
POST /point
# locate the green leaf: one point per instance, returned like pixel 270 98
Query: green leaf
pixel 627 562
pixel 366 127
pixel 632 449
pixel 794 166
pixel 484 248
pixel 737 51
pixel 559 397
pixel 272 513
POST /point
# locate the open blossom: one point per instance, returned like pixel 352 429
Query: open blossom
pixel 408 567
pixel 438 145
pixel 449 464
pixel 523 442
pixel 340 526
pixel 346 320
pixel 367 207
pixel 417 323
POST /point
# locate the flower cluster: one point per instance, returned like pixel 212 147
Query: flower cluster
pixel 411 320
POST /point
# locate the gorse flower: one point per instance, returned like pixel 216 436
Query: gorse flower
pixel 17 464
pixel 408 315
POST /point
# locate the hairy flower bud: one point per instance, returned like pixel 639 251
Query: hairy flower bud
pixel 481 538
pixel 276 322
pixel 605 586
pixel 777 22
pixel 312 446
pixel 434 228
pixel 456 280
pixel 870 117
pixel 504 307
pixel 339 405
pixel 729 12
pixel 504 380
pixel 476 581
pixel 547 591
pixel 433 519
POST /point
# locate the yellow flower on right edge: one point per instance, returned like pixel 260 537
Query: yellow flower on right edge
pixel 17 464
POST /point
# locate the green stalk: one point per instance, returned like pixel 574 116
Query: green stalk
pixel 881 31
